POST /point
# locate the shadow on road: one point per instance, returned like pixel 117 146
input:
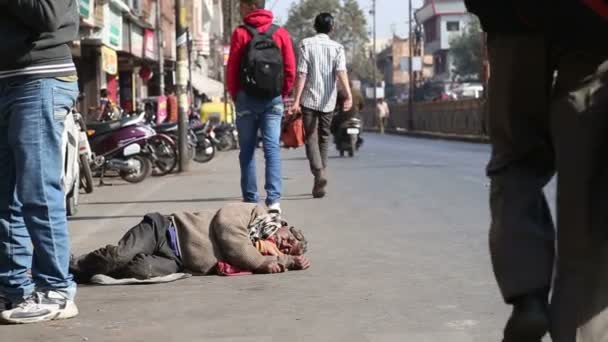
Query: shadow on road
pixel 195 200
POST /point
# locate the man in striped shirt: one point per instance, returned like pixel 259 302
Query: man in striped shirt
pixel 321 64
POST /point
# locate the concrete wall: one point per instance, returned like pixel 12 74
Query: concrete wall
pixel 464 118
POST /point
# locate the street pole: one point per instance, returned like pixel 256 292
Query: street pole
pixel 226 43
pixel 182 82
pixel 190 87
pixel 410 102
pixel 374 57
pixel 160 48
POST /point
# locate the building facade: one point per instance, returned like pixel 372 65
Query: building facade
pixel 442 20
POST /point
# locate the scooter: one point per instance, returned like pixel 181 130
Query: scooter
pixel 85 155
pixel 71 171
pixel 348 137
pixel 122 146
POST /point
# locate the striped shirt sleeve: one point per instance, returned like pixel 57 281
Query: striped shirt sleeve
pixel 302 60
pixel 341 60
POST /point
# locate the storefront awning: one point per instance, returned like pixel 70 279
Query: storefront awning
pixel 205 85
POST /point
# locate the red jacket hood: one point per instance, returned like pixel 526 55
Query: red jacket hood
pixel 262 19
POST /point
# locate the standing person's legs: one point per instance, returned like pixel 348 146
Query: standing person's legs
pixel 15 250
pixel 522 163
pixel 247 124
pixel 313 150
pixel 149 237
pixel 37 111
pixel 580 123
pixel 271 130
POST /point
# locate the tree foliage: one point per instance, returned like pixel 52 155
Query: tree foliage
pixel 467 53
pixel 351 30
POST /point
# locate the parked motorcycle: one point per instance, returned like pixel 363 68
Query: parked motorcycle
pixel 348 137
pixel 71 171
pixel 200 147
pixel 127 147
pixel 225 136
pixel 85 155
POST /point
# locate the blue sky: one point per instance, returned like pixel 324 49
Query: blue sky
pixel 391 13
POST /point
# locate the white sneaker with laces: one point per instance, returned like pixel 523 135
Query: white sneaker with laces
pixel 41 307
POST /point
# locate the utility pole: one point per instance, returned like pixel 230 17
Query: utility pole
pixel 374 57
pixel 160 48
pixel 181 35
pixel 410 102
pixel 227 35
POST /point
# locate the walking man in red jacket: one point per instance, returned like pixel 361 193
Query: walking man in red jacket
pixel 261 71
pixel 540 124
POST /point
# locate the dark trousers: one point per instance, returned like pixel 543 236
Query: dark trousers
pixel 537 129
pixel 317 127
pixel 142 253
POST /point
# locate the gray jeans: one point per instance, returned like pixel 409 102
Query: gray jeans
pixel 317 126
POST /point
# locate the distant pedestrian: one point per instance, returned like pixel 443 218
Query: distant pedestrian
pixel 322 64
pixel 261 71
pixel 38 89
pixel 383 113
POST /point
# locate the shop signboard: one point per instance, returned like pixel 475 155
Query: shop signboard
pixel 87 11
pixel 112 28
pixel 109 60
pixel 137 41
pixel 150 45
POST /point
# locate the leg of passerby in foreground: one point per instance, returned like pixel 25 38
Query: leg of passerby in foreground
pixel 313 151
pixel 271 130
pixel 579 309
pixel 247 125
pixel 34 111
pixel 522 232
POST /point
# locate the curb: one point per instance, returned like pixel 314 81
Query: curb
pixel 434 135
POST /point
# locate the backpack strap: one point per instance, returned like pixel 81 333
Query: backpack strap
pixel 271 30
pixel 251 29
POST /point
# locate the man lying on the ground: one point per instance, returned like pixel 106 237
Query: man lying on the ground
pixel 238 238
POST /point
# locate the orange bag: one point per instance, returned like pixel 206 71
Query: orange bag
pixel 293 131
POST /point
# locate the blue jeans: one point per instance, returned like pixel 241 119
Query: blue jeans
pixel 253 114
pixel 32 202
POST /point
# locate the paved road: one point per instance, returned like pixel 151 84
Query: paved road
pixel 399 252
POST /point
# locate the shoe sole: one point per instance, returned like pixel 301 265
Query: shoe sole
pixel 70 311
pixel 316 193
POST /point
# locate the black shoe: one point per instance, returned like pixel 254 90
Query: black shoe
pixel 529 321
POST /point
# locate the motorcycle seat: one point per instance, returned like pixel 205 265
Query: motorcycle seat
pixel 104 127
pixel 167 127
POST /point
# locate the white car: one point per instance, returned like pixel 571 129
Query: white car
pixel 71 171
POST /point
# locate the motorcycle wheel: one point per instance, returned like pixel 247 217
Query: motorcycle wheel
pixel 144 169
pixel 86 176
pixel 226 143
pixel 353 146
pixel 165 155
pixel 71 206
pixel 205 151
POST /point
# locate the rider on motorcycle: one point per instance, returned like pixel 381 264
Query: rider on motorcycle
pixel 342 116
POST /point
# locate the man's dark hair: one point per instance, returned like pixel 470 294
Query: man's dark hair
pixel 260 4
pixel 103 93
pixel 324 23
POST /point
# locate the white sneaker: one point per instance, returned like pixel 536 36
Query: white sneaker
pixel 41 307
pixel 275 210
